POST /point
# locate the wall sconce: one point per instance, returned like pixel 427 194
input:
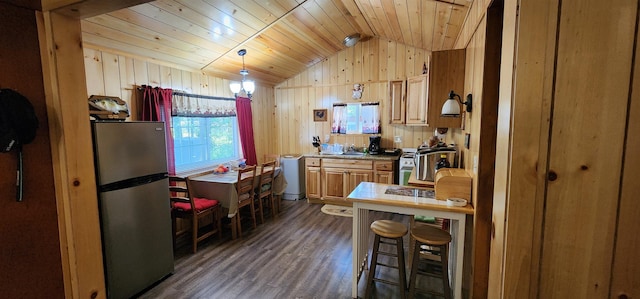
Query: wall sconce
pixel 245 86
pixel 451 108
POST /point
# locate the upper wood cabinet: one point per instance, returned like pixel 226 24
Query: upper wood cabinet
pixel 425 94
pixel 397 96
pixel 417 91
pixel 446 74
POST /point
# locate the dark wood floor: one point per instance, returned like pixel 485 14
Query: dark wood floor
pixel 302 253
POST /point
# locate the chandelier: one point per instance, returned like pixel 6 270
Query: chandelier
pixel 245 86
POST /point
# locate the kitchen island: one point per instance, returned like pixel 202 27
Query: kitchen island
pixel 368 196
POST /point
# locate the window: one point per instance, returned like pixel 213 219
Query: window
pixel 356 118
pixel 202 142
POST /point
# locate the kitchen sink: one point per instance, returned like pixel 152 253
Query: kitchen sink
pixel 353 154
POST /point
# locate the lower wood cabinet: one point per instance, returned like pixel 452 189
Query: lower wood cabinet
pixel 331 180
pixel 313 178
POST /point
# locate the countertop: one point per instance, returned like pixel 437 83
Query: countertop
pixel 354 157
pixel 378 193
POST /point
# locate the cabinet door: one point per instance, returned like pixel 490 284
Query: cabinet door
pixel 417 91
pixel 354 177
pixel 313 182
pixel 396 97
pixel 334 183
pixel 384 177
pixel 446 74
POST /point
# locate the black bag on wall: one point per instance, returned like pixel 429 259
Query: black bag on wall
pixel 18 121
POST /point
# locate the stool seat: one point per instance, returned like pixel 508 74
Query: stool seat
pixel 430 235
pixel 388 228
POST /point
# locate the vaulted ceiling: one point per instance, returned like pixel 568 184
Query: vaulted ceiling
pixel 282 37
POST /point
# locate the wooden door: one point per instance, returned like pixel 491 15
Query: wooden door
pixel 416 110
pixel 397 100
pixel 384 177
pixel 313 182
pixel 354 177
pixel 334 183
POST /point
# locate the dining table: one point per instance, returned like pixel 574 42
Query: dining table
pixel 222 187
pixel 368 196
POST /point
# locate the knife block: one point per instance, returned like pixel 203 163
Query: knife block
pixel 452 182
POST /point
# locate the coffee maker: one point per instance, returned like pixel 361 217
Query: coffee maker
pixel 374 145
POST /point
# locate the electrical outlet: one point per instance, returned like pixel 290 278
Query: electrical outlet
pixel 326 138
pixel 397 139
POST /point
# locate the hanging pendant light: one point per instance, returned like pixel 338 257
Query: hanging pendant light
pixel 246 86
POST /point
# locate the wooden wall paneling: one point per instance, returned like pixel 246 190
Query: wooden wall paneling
pixel 153 73
pixel 390 60
pixel 279 103
pixel 76 194
pixel 94 71
pixel 582 125
pixel 304 119
pixel 334 72
pixel 141 72
pixel 372 61
pixel 289 120
pixel 625 274
pixel 401 59
pixel 349 62
pixel 358 62
pixel 176 79
pixel 128 92
pixel 111 69
pixel 189 82
pixel 164 76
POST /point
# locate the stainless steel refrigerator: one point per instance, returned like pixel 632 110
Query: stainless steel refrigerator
pixel 135 216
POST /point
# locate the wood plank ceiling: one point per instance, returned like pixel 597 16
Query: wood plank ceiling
pixel 282 37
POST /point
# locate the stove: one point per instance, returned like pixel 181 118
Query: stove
pixel 406 165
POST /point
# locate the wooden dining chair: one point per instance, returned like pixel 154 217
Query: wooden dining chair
pixel 265 189
pixel 245 190
pixel 186 206
pixel 272 157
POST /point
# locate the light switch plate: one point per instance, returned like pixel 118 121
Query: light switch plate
pixel 397 139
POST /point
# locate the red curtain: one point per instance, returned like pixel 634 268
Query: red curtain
pixel 156 106
pixel 245 122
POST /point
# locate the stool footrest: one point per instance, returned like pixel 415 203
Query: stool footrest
pixel 418 290
pixel 386 281
pixel 387 265
pixel 388 254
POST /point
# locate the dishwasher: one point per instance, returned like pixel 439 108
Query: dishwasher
pixel 293 170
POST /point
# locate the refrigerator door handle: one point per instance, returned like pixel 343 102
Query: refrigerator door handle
pixel 128 183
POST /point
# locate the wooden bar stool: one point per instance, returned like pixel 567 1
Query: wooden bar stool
pixel 387 231
pixel 435 237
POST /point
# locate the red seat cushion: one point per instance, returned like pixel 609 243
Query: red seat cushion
pixel 201 204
